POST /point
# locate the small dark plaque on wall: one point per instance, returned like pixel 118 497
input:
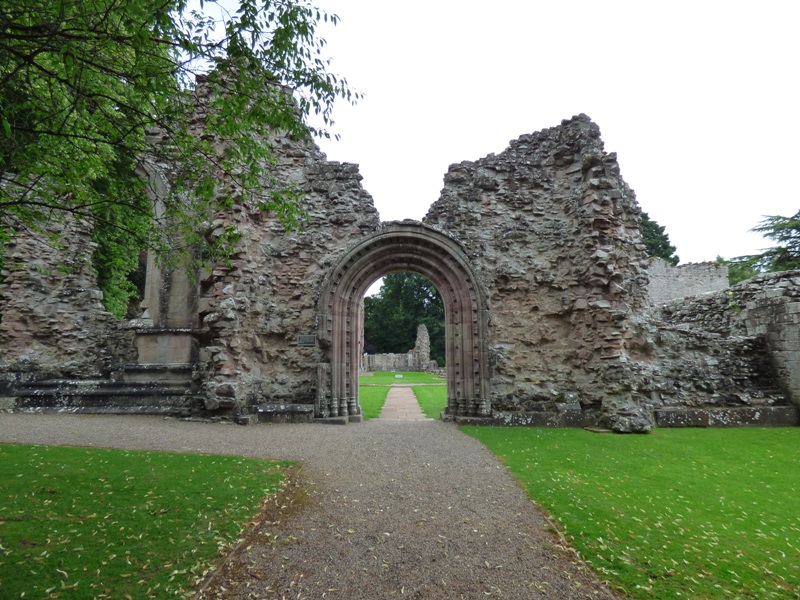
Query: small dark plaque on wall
pixel 307 340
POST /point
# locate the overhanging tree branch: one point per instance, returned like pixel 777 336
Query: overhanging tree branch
pixel 83 81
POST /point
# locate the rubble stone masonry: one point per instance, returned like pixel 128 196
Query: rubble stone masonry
pixel 554 233
pixel 537 254
pixel 53 322
pixel 254 312
pixel 764 312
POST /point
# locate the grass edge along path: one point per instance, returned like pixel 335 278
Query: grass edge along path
pixel 374 387
pixel 371 399
pixel 432 400
pixel 678 513
pixel 84 522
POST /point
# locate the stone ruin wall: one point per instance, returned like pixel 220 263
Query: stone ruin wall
pixel 672 283
pixel 675 366
pixel 553 231
pixel 254 311
pixel 710 359
pixel 408 361
pixel 416 359
pixel 763 311
pixel 249 313
pixel 53 323
pixel 553 201
pixel 769 307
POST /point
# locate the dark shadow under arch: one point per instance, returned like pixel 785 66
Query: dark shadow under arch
pixel 420 249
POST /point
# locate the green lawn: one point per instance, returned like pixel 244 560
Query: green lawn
pixel 91 523
pixel 679 513
pixel 432 400
pixel 371 400
pixel 373 389
pixel 389 378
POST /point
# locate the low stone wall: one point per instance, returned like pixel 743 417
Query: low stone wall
pixel 681 367
pixel 764 310
pixel 775 416
pixel 408 361
pixel 671 283
pixel 416 359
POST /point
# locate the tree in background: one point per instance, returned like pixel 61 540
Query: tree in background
pixel 739 268
pixel 783 257
pixel 405 301
pixel 785 231
pixel 83 82
pixel 656 241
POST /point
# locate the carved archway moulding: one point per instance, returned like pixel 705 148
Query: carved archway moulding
pixel 420 249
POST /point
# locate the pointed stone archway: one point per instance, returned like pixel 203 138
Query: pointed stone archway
pixel 404 246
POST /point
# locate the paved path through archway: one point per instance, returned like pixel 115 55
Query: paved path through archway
pixel 401 405
pixel 394 509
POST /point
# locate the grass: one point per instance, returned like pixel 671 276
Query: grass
pixel 391 377
pixel 679 513
pixel 373 389
pixel 371 400
pixel 92 523
pixel 432 400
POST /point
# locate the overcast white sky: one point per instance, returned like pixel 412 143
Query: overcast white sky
pixel 699 99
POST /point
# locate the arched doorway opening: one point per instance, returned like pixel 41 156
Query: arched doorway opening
pixel 403 324
pixel 419 249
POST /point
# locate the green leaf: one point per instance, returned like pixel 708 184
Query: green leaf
pixel 656 241
pixel 84 85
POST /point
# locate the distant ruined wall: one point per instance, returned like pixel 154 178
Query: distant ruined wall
pixel 416 359
pixel 53 320
pixel 764 311
pixel 407 361
pixel 422 345
pixel 670 283
pixel 554 233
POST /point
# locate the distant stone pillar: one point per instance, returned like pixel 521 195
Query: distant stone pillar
pixel 423 346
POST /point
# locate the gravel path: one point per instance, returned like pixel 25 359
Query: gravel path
pixel 389 509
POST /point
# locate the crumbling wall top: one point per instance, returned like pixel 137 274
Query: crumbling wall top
pixel 672 283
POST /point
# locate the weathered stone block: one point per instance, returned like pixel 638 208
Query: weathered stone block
pixel 247 419
pixel 158 346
